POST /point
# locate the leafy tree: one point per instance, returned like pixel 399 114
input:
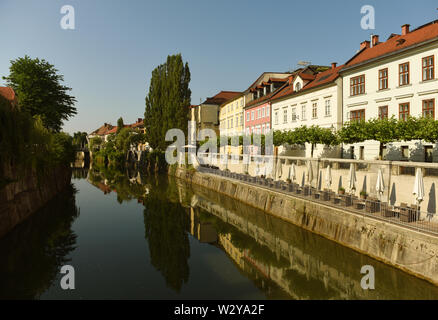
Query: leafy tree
pixel 428 129
pixel 382 130
pixel 40 91
pixel 80 139
pixel 408 130
pixel 353 132
pixel 120 125
pixel 167 101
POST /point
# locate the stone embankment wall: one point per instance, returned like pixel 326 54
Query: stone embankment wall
pixel 406 249
pixel 27 191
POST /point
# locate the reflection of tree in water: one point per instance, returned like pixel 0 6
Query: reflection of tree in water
pixel 165 229
pixel 32 254
pixel 117 180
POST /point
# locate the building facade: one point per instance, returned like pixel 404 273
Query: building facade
pixel 313 96
pixel 206 115
pixel 231 116
pixel 393 78
pixel 257 111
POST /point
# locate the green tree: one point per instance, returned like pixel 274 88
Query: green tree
pixel 120 125
pixel 353 132
pixel 167 101
pixel 40 91
pixel 382 130
pixel 80 140
pixel 428 129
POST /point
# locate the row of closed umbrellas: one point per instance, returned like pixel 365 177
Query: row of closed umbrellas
pixel 418 189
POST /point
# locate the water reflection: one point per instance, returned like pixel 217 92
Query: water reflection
pixel 32 254
pixel 282 260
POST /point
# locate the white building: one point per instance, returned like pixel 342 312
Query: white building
pixel 393 78
pixel 310 98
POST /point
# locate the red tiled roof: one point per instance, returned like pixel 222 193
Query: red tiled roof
pixel 319 80
pixel 8 93
pixel 277 79
pixel 221 97
pixel 306 76
pixel 396 43
pixel 103 130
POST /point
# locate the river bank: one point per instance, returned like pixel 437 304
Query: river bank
pixel 406 249
pixel 27 191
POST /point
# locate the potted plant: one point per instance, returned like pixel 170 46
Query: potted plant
pixel 341 190
pixel 363 195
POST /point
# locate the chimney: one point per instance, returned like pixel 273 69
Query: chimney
pixel 139 119
pixel 105 124
pixel 374 40
pixel 405 29
pixel 364 44
pixel 334 65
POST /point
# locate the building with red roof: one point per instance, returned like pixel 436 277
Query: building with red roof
pixel 396 77
pixel 206 115
pixel 257 114
pixel 9 94
pixel 312 96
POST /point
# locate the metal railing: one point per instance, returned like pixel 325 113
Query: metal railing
pixel 403 215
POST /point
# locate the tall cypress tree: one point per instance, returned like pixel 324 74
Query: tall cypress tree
pixel 167 101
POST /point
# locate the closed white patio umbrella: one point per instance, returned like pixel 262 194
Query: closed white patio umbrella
pixel 279 169
pixel 418 187
pixel 292 172
pixel 328 177
pixel 380 184
pixel 352 179
pixel 309 172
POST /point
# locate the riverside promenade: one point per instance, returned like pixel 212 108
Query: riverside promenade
pixel 402 237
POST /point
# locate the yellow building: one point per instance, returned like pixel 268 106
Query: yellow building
pixel 231 116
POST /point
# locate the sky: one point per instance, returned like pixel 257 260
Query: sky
pixel 108 58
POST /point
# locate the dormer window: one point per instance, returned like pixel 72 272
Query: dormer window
pixel 298 86
pixel 272 87
pixel 264 91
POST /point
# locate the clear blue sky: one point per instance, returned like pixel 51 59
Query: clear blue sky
pixel 108 59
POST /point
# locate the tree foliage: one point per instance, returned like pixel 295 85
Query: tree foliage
pixel 40 91
pixel 167 101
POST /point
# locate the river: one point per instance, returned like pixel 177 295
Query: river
pixel 130 236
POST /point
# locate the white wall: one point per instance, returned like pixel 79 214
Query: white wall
pixel 414 93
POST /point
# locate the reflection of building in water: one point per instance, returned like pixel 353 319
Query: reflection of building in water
pixel 203 231
pixel 299 274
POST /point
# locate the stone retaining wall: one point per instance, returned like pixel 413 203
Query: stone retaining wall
pixel 409 250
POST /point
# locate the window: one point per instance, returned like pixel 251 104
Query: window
pixel 247 116
pixel 383 79
pixel 263 112
pixel 428 154
pixel 263 128
pixel 361 153
pixel 259 112
pixel 231 122
pixel 241 119
pixel 303 112
pixel 405 152
pixel 428 68
pixel 237 121
pixel 267 111
pixel 357 115
pixel 314 110
pixel 276 117
pixel 429 108
pixel 298 86
pixel 404 111
pixel 294 114
pixel 327 108
pixel 252 115
pixel 228 123
pixel 357 85
pixel 383 112
pixel 285 116
pixel 403 74
pixel 267 127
